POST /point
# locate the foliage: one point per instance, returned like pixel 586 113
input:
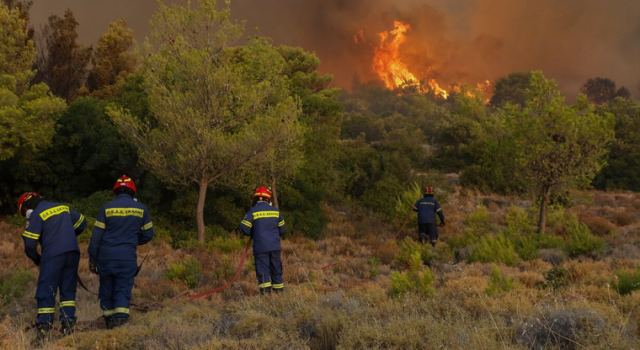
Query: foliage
pixel 207 138
pixel 112 59
pixel 557 277
pixel 27 113
pixel 627 281
pixel 545 145
pixel 87 153
pixel 226 243
pixel 603 90
pixel 494 248
pixel 90 205
pixel 580 240
pixel 417 279
pixel 622 170
pixel 511 89
pixel 187 271
pixel 13 285
pixel 62 62
pixel 498 282
pixel 409 248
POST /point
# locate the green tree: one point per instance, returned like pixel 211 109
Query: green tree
pixel 559 146
pixel 218 108
pixel 62 62
pixel 623 169
pixel 603 90
pixel 112 59
pixel 511 89
pixel 27 113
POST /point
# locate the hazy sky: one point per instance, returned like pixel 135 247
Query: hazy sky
pixel 463 41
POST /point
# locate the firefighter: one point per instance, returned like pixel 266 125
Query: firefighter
pixel 265 225
pixel 427 208
pixel 55 226
pixel 121 225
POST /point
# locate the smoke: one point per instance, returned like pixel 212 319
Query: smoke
pixel 465 41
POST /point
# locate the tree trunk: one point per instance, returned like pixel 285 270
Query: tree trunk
pixel 542 219
pixel 202 196
pixel 274 193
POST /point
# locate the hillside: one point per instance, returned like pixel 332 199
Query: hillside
pixel 366 285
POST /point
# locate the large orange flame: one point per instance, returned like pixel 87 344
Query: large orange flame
pixel 389 66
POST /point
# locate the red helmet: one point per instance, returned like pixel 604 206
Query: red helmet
pixel 25 197
pixel 125 181
pixel 428 190
pixel 262 191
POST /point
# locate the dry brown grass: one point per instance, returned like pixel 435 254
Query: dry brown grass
pixel 338 297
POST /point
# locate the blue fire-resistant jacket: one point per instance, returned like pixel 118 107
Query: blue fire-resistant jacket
pixel 427 208
pixel 55 226
pixel 121 225
pixel 265 225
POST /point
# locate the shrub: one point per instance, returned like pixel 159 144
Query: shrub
pixel 226 243
pixel 598 225
pixel 90 205
pixel 627 281
pixel 580 240
pixel 478 222
pixel 494 249
pixel 526 246
pixel 519 222
pixel 498 282
pixel 417 280
pixel 409 248
pixel 557 277
pixel 13 285
pixel 188 271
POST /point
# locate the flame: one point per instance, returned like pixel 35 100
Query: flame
pixel 390 68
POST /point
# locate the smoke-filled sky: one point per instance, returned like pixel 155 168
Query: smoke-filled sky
pixel 454 41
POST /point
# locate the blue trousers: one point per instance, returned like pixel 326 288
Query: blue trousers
pixel 269 270
pixel 428 230
pixel 57 273
pixel 116 283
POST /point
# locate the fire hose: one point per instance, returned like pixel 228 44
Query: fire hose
pixel 229 282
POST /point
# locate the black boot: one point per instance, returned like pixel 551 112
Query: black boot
pixel 68 326
pixel 108 322
pixel 265 291
pixel 119 321
pixel 43 333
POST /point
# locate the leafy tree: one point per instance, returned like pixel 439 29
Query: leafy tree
pixel 62 62
pixel 218 108
pixel 27 113
pixel 23 6
pixel 623 168
pixel 112 59
pixel 87 153
pixel 559 146
pixel 318 178
pixel 511 89
pixel 603 90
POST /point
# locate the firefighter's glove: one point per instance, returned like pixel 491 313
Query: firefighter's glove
pixel 93 267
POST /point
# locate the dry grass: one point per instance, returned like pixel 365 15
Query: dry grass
pixel 338 294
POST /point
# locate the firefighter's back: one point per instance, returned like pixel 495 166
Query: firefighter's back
pixel 123 221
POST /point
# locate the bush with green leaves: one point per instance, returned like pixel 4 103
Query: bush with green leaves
pixel 418 279
pixel 580 240
pixel 409 248
pixel 498 282
pixel 494 248
pixel 188 271
pixel 557 277
pixel 13 285
pixel 627 281
pixel 226 243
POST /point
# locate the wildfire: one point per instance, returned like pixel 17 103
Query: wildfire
pixel 389 66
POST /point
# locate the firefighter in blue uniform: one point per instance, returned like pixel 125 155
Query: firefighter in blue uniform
pixel 427 208
pixel 265 225
pixel 55 226
pixel 121 225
